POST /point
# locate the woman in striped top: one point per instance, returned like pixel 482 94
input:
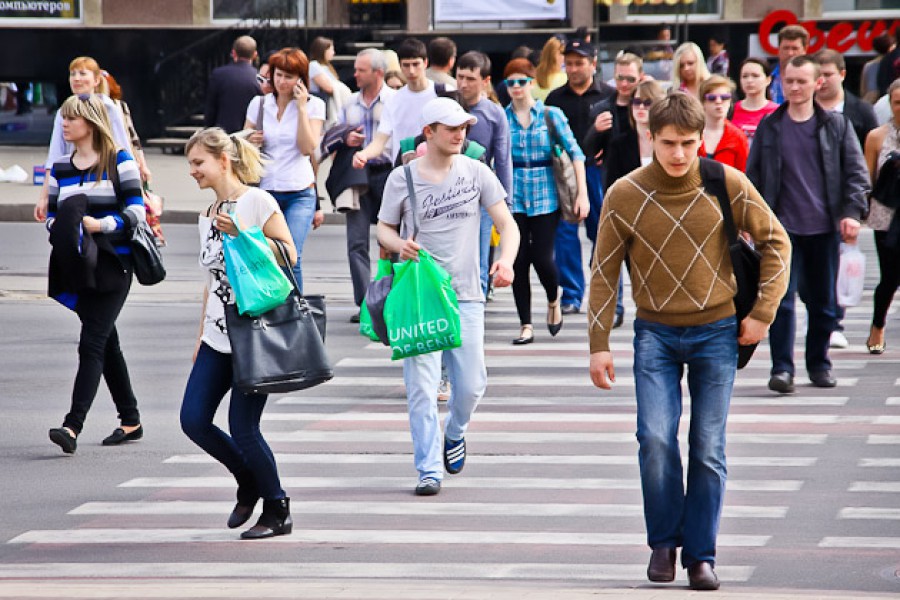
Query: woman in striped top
pixel 89 214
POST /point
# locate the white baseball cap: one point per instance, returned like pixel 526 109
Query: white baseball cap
pixel 446 112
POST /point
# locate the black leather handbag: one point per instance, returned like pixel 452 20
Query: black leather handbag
pixel 282 350
pixel 148 263
pixel 744 257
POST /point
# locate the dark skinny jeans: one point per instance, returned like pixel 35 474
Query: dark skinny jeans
pixel 889 263
pixel 209 381
pixel 536 248
pixel 99 355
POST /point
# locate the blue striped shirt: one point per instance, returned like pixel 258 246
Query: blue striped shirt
pixel 534 190
pixel 67 180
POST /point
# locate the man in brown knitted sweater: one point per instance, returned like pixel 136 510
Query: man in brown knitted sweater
pixel 671 229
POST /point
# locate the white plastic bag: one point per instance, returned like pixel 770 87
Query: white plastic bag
pixel 851 275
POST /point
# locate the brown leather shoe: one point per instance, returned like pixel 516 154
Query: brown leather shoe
pixel 662 565
pixel 702 577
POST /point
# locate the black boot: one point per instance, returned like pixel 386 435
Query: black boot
pixel 247 496
pixel 274 520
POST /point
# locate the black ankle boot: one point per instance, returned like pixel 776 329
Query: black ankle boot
pixel 274 520
pixel 247 496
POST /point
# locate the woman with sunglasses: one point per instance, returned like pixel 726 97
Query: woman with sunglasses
pixel 755 79
pixel 632 149
pixel 722 141
pixel 85 77
pixel 288 136
pixel 535 204
pixel 90 212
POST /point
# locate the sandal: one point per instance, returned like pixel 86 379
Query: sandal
pixel 526 336
pixel 875 348
pixel 554 314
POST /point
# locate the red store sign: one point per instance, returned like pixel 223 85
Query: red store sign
pixel 841 37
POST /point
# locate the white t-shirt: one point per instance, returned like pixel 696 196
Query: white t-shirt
pixel 449 217
pixel 315 69
pixel 402 115
pixel 253 207
pixel 288 170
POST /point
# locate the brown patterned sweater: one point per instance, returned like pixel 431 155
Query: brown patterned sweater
pixel 680 269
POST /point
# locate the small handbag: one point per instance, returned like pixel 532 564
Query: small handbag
pixel 563 174
pixel 744 257
pixel 282 350
pixel 148 264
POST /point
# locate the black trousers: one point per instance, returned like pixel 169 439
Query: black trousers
pixel 538 237
pixel 889 263
pixel 99 355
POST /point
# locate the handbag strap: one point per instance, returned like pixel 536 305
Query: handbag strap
pixel 412 199
pixel 285 258
pixel 551 128
pixel 712 173
pixel 261 114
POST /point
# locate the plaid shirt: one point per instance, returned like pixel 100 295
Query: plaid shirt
pixel 534 190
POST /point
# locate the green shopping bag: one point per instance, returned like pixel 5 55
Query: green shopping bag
pixel 421 311
pixel 365 321
pixel 259 284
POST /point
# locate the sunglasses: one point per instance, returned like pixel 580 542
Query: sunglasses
pixel 641 102
pixel 262 80
pixel 628 78
pixel 714 97
pixel 518 81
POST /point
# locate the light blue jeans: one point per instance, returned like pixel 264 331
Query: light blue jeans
pixel 299 208
pixel 484 248
pixel 661 353
pixel 468 376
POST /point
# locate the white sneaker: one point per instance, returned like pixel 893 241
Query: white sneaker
pixel 838 340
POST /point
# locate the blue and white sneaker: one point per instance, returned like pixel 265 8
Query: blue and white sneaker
pixel 428 486
pixel 454 455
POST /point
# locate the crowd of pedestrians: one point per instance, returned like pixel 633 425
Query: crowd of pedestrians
pixel 441 157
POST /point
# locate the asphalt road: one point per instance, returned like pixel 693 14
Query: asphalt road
pixel 550 495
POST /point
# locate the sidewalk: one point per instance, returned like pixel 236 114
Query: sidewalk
pixel 171 180
pixel 311 589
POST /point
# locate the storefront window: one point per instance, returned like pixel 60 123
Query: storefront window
pixel 829 6
pixel 240 10
pixel 700 7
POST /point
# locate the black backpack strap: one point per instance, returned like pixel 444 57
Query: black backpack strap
pixel 440 88
pixel 412 199
pixel 713 175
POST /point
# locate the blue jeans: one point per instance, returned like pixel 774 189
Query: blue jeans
pixel 484 248
pixel 299 208
pixel 814 264
pixel 468 376
pixel 245 448
pixel 661 353
pixel 568 246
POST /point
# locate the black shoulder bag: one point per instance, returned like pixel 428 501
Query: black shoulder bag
pixel 744 258
pixel 145 254
pixel 281 350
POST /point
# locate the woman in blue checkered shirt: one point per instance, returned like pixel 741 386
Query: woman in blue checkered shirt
pixel 535 204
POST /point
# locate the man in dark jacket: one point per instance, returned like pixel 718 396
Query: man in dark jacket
pixel 232 87
pixel 808 164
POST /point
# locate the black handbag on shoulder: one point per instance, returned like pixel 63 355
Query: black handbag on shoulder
pixel 744 257
pixel 282 350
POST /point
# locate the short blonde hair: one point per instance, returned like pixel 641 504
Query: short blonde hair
pixel 715 81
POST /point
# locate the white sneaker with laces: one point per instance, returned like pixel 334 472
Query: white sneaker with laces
pixel 838 340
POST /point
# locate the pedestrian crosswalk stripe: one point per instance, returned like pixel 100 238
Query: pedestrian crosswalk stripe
pixel 867 512
pixel 875 486
pixel 481 483
pixel 860 542
pixel 598 399
pixel 360 536
pixel 499 459
pixel 879 439
pixel 893 401
pixel 499 509
pixel 530 438
pixel 582 381
pixel 577 417
pixel 879 462
pixel 260 573
pixel 556 361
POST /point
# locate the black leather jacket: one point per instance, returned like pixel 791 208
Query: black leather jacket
pixel 847 183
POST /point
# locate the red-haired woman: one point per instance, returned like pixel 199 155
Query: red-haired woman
pixel 288 134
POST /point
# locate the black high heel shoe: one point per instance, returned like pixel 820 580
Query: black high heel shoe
pixel 553 308
pixel 526 336
pixel 274 520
